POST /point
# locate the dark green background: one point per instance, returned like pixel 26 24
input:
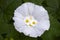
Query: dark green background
pixel 7 30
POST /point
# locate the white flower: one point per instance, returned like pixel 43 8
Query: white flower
pixel 31 19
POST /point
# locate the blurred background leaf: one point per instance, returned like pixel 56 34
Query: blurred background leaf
pixel 7 30
pixel 34 1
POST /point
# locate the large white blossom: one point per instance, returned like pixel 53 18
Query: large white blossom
pixel 31 19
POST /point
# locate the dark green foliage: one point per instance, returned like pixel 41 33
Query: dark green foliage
pixel 7 30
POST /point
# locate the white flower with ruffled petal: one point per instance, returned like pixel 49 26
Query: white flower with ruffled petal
pixel 31 19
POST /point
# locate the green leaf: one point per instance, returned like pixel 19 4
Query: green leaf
pixel 54 13
pixel 34 1
pixel 5 3
pixel 53 3
pixel 6 13
pixel 1 38
pixel 57 15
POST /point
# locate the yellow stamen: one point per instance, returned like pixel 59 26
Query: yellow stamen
pixel 30 25
pixel 30 21
pixel 27 20
pixel 33 22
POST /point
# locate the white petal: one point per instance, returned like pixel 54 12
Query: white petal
pixel 16 14
pixel 30 32
pixel 40 13
pixel 30 7
pixel 23 9
pixel 44 24
pixel 19 24
pixel 39 31
pixel 21 28
pixel 27 31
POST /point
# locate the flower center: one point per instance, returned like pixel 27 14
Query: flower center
pixel 27 21
pixel 30 21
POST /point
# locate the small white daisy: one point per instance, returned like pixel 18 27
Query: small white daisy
pixel 31 19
